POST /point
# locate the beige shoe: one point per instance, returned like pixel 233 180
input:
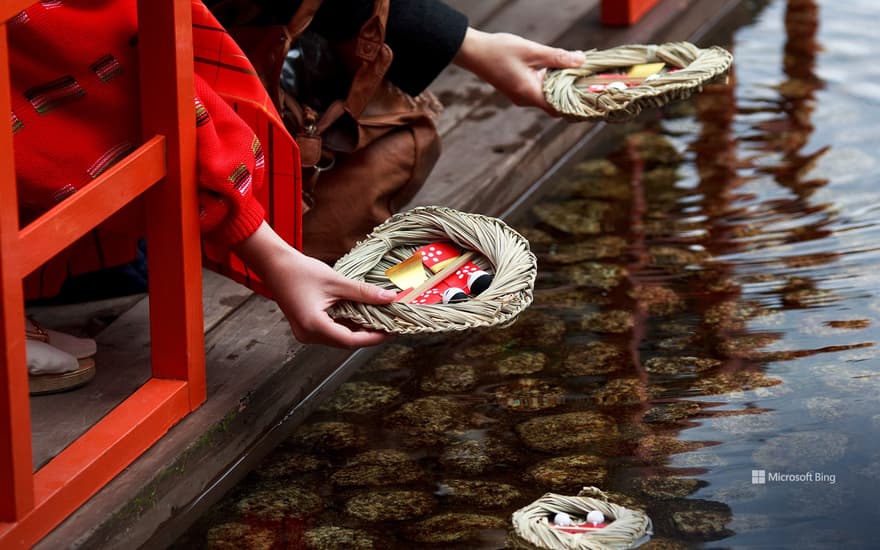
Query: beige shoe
pixel 57 361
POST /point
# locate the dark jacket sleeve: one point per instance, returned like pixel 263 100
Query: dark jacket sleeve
pixel 424 35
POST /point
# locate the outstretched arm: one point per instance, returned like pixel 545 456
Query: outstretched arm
pixel 514 65
pixel 304 288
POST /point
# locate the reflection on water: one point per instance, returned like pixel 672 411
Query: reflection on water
pixel 701 343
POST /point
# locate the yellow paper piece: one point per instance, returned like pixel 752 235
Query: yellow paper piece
pixel 440 265
pixel 645 70
pixel 409 273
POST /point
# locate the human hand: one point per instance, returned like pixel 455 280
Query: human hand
pixel 514 65
pixel 305 288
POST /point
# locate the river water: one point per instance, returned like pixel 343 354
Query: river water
pixel 701 345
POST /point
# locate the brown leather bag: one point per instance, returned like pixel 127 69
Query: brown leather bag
pixel 367 154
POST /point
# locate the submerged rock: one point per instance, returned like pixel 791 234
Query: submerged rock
pixel 625 391
pixel 392 357
pixel 279 502
pixel 657 300
pixel 569 298
pixel 235 536
pixel 450 378
pixel 281 464
pixel 654 149
pixel 329 436
pixel 680 365
pixel 529 394
pixel 428 420
pixel 569 472
pixel 360 398
pixel 390 505
pixel 675 257
pixel 527 362
pixel 339 538
pixel 594 358
pixel 671 412
pixel 566 431
pixel 452 527
pixel 599 248
pixel 377 468
pixel 727 383
pixel 576 217
pixel 476 456
pixel 532 329
pixel 614 321
pixel 595 274
pixel 702 520
pixel 481 494
pixel 668 487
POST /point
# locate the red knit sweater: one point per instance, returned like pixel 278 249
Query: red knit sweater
pixel 75 112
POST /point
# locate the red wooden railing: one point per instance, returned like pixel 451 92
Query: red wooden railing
pixel 164 171
pixel 625 12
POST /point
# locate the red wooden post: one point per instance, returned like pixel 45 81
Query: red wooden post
pixel 17 494
pixel 625 12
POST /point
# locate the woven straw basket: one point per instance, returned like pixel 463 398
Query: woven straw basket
pixel 499 249
pixel 695 66
pixel 532 527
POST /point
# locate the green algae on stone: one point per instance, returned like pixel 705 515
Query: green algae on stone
pixel 672 256
pixel 392 357
pixel 576 217
pixel 653 149
pixel 624 391
pixel 428 420
pixel 532 329
pixel 665 544
pixel 450 378
pixel 614 321
pixel 476 456
pixel 594 358
pixel 733 314
pixel 668 487
pixel 330 537
pixel 748 346
pixel 535 236
pixel 558 298
pixel 279 502
pixel 452 527
pixel 734 382
pixel 705 524
pixel 390 505
pixel 654 446
pixel 378 468
pixel 284 464
pixel 566 431
pixel 235 536
pixel 527 362
pixel 680 365
pixel 809 297
pixel 595 274
pixel 569 472
pixel 599 248
pixel 481 351
pixel 328 437
pixel 529 394
pixel 481 494
pixel 360 398
pixel 657 300
pixel 669 413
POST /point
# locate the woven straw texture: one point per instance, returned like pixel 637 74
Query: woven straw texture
pixel 532 529
pixel 696 67
pixel 499 249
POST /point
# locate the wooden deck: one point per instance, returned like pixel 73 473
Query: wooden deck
pixel 261 382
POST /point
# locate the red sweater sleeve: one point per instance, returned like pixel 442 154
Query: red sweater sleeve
pixel 230 167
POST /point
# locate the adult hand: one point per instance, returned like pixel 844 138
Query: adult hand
pixel 305 287
pixel 513 65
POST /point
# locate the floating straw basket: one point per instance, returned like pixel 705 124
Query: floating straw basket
pixel 532 527
pixel 695 67
pixel 499 249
